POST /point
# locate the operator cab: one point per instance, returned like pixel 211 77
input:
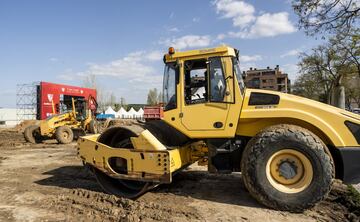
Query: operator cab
pixel 66 106
pixel 80 109
pixel 203 81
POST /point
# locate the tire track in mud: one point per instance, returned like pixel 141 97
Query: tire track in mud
pixel 2 158
pixel 95 206
pixel 11 138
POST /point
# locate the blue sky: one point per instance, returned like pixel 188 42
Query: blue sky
pixel 122 42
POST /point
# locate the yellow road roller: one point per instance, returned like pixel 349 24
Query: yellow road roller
pixel 288 149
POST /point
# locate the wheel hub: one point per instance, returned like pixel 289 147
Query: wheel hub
pixel 65 135
pixel 287 169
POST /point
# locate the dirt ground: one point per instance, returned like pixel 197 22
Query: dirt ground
pixel 46 182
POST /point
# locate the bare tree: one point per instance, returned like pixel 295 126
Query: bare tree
pixel 90 81
pixel 122 101
pixel 327 16
pixel 102 100
pixel 152 98
pixel 160 97
pixel 112 100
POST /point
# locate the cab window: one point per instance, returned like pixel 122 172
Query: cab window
pixel 169 87
pixel 195 81
pixel 216 80
pixel 209 80
pixel 237 72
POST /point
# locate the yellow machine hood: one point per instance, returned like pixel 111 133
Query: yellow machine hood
pixel 260 106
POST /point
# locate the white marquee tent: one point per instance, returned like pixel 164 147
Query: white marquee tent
pixel 110 110
pixel 132 113
pixel 122 113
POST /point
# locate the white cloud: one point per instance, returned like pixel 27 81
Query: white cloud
pixel 268 25
pixel 188 41
pixel 221 36
pixel 247 58
pixel 174 29
pixel 127 67
pixel 293 52
pixel 244 66
pixel 196 19
pixel 134 67
pixel 68 75
pixel 53 59
pixel 247 61
pixel 250 25
pixel 240 12
pixel 155 55
pixel 291 69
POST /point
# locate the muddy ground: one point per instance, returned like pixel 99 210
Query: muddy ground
pixel 46 182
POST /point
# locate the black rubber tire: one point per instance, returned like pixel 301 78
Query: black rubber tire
pixel 59 134
pixel 93 127
pixel 32 134
pixel 261 147
pixel 78 133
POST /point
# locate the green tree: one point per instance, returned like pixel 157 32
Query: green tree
pixel 352 89
pixel 117 107
pixel 310 86
pixel 327 66
pixel 330 65
pixel 348 45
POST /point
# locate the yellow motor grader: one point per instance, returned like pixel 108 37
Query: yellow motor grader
pixel 288 149
pixel 64 127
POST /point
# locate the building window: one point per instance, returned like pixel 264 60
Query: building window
pixel 254 83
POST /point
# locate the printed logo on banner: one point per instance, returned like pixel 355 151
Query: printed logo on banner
pixel 81 91
pixel 50 97
pixel 63 89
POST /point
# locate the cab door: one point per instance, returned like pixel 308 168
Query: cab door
pixel 208 94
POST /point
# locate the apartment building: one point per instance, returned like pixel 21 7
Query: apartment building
pixel 270 79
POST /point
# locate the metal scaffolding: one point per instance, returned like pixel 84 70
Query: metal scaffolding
pixel 26 101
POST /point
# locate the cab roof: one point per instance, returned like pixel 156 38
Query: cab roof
pixel 200 53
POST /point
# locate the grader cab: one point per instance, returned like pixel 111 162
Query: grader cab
pixel 288 149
